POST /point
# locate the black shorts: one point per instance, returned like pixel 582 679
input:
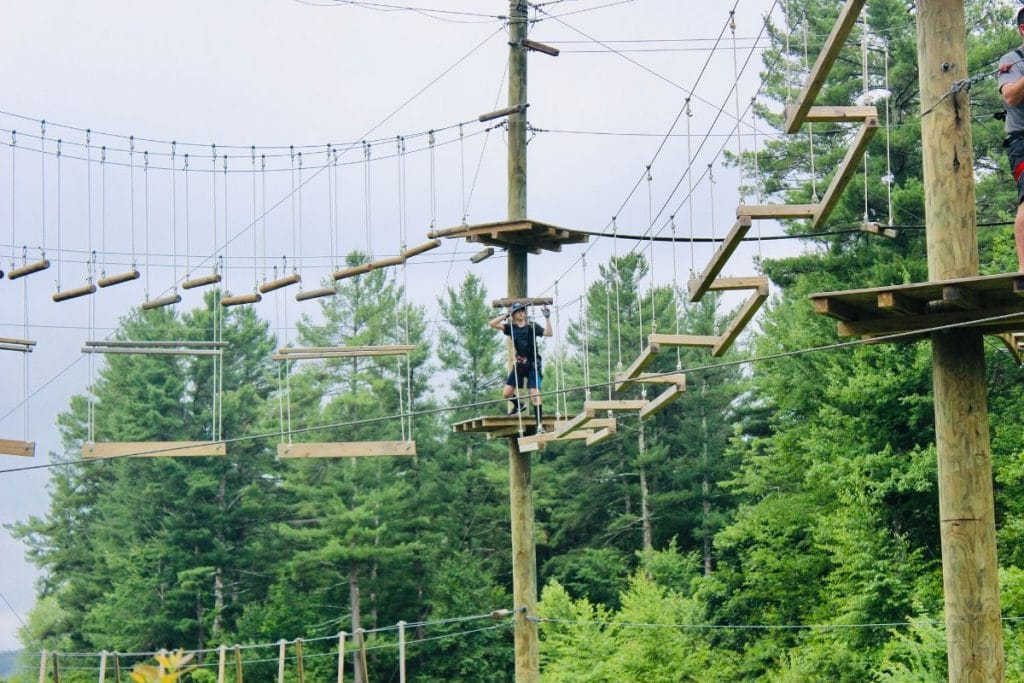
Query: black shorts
pixel 532 374
pixel 1015 153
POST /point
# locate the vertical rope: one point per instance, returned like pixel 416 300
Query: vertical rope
pixel 145 185
pixel 90 266
pixel 213 176
pixel 131 192
pixel 810 126
pixel 332 213
pixel 263 211
pixel 739 117
pixel 433 182
pixel 608 332
pixel 366 198
pixel 615 279
pixel 650 252
pixel 174 216
pixel 60 251
pixel 560 362
pixel 711 193
pixel 677 295
pixel 291 196
pixel 103 208
pixel 301 251
pixel 864 78
pixel 462 166
pixel 337 213
pixel 224 287
pixel 757 179
pixel 586 332
pixel 14 175
pixel 188 230
pixel 689 184
pixel 889 179
pixel 42 183
pixel 255 236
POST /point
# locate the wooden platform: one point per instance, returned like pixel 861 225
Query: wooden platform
pixel 533 235
pixel 971 301
pixel 496 426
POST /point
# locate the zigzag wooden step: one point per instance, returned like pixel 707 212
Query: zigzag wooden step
pixel 739 323
pixel 702 284
pixel 645 358
pixel 537 442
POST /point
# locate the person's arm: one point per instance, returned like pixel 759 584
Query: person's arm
pixel 499 322
pixel 548 331
pixel 1013 92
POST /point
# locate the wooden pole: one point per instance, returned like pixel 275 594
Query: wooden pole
pixel 42 667
pixel 341 657
pixel 966 512
pixel 401 652
pixel 117 668
pixel 520 477
pixel 238 664
pixel 103 666
pixel 222 660
pixel 281 648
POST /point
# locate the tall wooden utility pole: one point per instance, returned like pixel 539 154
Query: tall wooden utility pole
pixel 524 548
pixel 966 511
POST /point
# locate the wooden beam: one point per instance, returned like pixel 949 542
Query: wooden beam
pixel 118 278
pixel 529 301
pixel 128 351
pixel 241 299
pixel 201 281
pixel 298 352
pixel 776 211
pixel 882 326
pixel 25 449
pixel 19 342
pixel 571 425
pixel 152 449
pixel 677 378
pixel 601 435
pixel 28 269
pixel 876 228
pixel 961 298
pixel 1012 343
pixel 315 293
pixel 352 271
pixel 387 262
pixel 420 248
pixel 846 169
pixel 614 405
pixel 149 343
pixel 698 287
pixel 708 340
pixel 661 401
pixel 823 64
pixel 345 449
pixel 729 284
pixel 836 308
pixel 67 294
pixel 280 282
pixel 830 114
pixel 160 302
pixel 900 303
pixel 739 323
pixel 639 365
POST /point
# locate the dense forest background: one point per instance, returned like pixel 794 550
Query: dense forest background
pixel 778 522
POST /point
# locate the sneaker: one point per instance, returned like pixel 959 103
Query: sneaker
pixel 517 408
pixel 540 429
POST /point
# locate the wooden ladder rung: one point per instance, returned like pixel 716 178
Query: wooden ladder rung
pixel 152 449
pixel 683 339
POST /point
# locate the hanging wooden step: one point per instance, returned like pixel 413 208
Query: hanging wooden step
pixel 241 299
pixel 499 426
pixel 15 344
pixel 847 167
pixel 316 293
pixel 160 302
pixel 25 449
pixel 345 449
pixel 118 278
pixel 603 428
pixel 352 271
pixel 739 323
pixel 28 269
pixel 201 281
pixel 280 282
pixel 421 248
pixel 699 286
pixel 77 292
pixel 152 449
pixel 315 352
pixel 645 358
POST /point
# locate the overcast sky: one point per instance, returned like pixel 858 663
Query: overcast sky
pixel 280 73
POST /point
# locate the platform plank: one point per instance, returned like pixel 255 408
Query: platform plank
pixel 499 425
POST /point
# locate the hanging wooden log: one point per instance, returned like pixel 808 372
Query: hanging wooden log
pixel 201 281
pixel 14 341
pixel 160 302
pixel 280 282
pixel 352 271
pixel 118 278
pixel 420 248
pixel 386 262
pixel 28 269
pixel 315 293
pixel 67 294
pixel 241 299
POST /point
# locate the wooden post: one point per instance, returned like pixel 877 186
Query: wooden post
pixel 974 637
pixel 42 667
pixel 401 652
pixel 281 648
pixel 299 669
pixel 222 660
pixel 361 658
pixel 524 549
pixel 341 657
pixel 103 666
pixel 238 664
pixel 117 668
pixel 56 668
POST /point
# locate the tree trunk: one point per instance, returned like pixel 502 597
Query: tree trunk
pixel 645 501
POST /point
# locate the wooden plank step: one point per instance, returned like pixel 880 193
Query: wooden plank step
pixel 832 114
pixel 572 424
pixel 661 401
pixel 683 339
pixel 345 449
pixel 773 211
pixel 26 449
pixel 601 435
pixel 638 366
pixel 739 323
pixel 699 286
pixel 153 449
pixel 846 169
pixel 677 378
pixel 614 405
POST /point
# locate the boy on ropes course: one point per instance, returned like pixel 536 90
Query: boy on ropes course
pixel 528 361
pixel 1011 87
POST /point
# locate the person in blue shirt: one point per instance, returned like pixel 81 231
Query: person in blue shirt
pixel 528 363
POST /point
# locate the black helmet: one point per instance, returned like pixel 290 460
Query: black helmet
pixel 517 307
